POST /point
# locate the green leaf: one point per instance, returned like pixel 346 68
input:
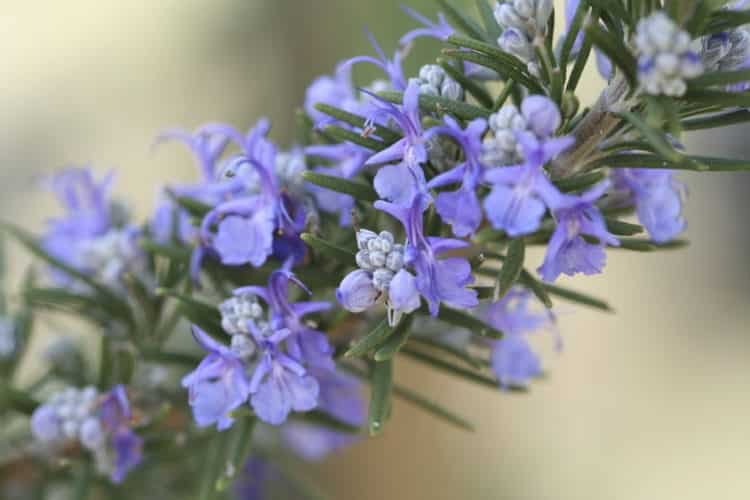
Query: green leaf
pixel 460 354
pixel 719 78
pixel 344 135
pixel 433 408
pixel 717 120
pixel 474 88
pixel 323 419
pixel 614 48
pixel 724 20
pixel 395 342
pixel 340 254
pixel 536 287
pixel 463 22
pixel 466 320
pixel 241 443
pixel 721 98
pixel 192 206
pixel 169 251
pixel 206 316
pixel 579 182
pixel 64 300
pixel 358 121
pixel 698 163
pixel 116 305
pixel 370 341
pixel 572 33
pixel 450 368
pixel 14 399
pixel 506 67
pixel 578 297
pixel 355 189
pixel 435 104
pixel 622 228
pixel 512 267
pixel 380 399
pixel 654 137
pixel 488 19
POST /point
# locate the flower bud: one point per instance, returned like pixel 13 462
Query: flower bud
pixel 91 433
pixel 542 115
pixel 403 295
pixel 356 293
pixel 45 424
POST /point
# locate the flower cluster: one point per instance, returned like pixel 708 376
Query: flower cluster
pixel 665 59
pixel 100 423
pixel 410 199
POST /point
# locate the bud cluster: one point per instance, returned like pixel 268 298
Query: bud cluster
pixel 237 315
pixel 433 80
pixel 665 59
pixel 69 415
pixel 523 21
pixel 380 256
pixel 500 146
pixel 109 256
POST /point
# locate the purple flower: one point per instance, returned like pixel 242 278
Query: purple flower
pixel 341 397
pixel 219 384
pixel 567 251
pixel 512 359
pixel 45 424
pixel 436 280
pixel 206 148
pixel 411 149
pixel 280 384
pixel 115 416
pixel 336 90
pixel 657 197
pixel 391 67
pixel 571 6
pixel 461 208
pixel 521 193
pixel 440 29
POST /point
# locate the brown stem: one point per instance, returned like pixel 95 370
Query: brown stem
pixel 593 128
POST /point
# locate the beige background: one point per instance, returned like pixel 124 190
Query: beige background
pixel 650 403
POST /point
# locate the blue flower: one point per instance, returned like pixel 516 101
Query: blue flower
pixel 521 193
pixel 392 67
pixel 411 149
pixel 336 90
pixel 437 280
pixel 512 360
pixel 461 208
pixel 219 384
pixel 657 198
pixel 568 252
pixel 440 30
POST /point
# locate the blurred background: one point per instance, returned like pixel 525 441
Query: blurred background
pixel 651 402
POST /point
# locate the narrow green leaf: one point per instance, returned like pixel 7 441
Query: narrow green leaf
pixel 84 480
pixel 580 182
pixel 488 19
pixel 117 306
pixel 724 20
pixel 213 466
pixel 578 297
pixel 435 104
pixel 326 420
pixel 241 442
pixel 466 320
pixel 358 121
pixel 355 189
pixel 536 287
pixel 446 348
pixel 572 34
pixel 192 206
pixel 370 341
pixel 380 399
pixel 506 70
pixel 395 342
pixel 169 251
pixel 721 98
pixel 326 248
pixel 717 120
pixel 512 267
pixel 205 316
pixel 450 368
pixel 463 22
pixel 474 88
pixel 344 135
pixel 654 137
pixel 433 408
pixel 719 78
pixel 622 228
pixel 614 48
pixel 14 399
